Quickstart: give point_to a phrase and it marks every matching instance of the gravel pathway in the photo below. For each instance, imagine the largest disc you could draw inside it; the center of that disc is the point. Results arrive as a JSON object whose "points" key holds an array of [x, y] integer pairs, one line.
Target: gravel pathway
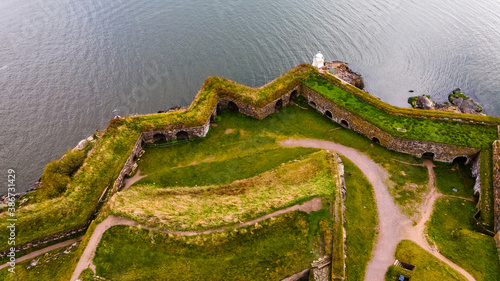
{"points": [[393, 225], [44, 250]]}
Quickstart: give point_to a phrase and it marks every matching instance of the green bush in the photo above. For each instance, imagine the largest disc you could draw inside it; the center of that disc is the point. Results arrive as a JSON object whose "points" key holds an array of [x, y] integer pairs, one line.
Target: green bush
{"points": [[57, 174]]}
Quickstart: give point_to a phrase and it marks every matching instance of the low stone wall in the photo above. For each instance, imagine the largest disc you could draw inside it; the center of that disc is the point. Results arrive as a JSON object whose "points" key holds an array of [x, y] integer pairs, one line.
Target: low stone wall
{"points": [[130, 164], [441, 152]]}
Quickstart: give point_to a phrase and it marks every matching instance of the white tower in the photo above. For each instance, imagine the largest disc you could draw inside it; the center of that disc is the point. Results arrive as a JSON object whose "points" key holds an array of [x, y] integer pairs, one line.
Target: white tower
{"points": [[319, 60]]}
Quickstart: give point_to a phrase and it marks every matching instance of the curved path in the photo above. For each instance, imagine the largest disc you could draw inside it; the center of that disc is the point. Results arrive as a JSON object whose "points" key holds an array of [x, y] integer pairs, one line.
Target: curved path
{"points": [[393, 225], [44, 250], [89, 253]]}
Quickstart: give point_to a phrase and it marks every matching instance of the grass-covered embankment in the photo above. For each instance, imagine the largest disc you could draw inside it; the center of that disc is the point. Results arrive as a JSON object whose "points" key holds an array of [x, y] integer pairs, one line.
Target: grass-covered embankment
{"points": [[50, 266], [451, 230], [271, 250], [427, 267], [470, 135], [208, 207], [361, 221]]}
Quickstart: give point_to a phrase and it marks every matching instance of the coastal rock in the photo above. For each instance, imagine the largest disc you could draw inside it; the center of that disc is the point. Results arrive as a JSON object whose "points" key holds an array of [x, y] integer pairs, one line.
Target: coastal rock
{"points": [[464, 103], [342, 71], [460, 103], [425, 102]]}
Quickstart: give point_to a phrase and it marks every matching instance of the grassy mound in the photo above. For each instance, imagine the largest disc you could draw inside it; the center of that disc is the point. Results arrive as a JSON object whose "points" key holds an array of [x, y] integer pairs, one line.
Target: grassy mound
{"points": [[207, 207], [270, 250], [427, 267]]}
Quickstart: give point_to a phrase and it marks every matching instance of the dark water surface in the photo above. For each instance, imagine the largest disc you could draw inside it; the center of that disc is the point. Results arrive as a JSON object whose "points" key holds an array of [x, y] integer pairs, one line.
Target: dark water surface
{"points": [[66, 65]]}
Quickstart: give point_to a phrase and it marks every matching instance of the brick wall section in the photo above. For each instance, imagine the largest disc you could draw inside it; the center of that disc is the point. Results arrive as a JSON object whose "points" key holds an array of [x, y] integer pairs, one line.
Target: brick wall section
{"points": [[442, 152]]}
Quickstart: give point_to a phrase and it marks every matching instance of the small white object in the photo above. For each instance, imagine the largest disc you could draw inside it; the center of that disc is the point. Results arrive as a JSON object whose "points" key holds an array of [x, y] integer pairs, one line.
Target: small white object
{"points": [[318, 60]]}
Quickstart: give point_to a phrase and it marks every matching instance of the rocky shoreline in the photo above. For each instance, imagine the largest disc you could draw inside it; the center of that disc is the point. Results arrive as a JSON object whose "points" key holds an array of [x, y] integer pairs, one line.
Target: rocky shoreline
{"points": [[458, 103], [343, 72]]}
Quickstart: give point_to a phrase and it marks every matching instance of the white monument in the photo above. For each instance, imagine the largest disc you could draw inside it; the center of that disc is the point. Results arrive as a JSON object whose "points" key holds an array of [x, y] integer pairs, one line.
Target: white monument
{"points": [[319, 60]]}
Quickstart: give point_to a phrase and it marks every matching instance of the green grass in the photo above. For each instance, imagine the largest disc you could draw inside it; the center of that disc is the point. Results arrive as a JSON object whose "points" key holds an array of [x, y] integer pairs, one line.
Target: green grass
{"points": [[272, 250], [470, 135], [208, 207], [52, 266], [487, 195], [219, 172], [361, 221], [427, 267], [252, 137], [451, 230], [459, 177]]}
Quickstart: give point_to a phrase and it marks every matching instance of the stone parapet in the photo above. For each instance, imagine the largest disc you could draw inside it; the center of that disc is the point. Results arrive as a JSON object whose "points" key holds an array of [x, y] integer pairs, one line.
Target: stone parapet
{"points": [[496, 183]]}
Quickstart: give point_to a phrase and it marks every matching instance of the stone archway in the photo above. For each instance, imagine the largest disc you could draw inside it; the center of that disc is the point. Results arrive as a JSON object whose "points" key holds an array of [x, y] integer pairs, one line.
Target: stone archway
{"points": [[293, 95], [344, 123], [278, 105], [233, 107], [182, 135], [376, 140], [328, 114], [159, 137], [460, 160], [312, 103], [428, 155]]}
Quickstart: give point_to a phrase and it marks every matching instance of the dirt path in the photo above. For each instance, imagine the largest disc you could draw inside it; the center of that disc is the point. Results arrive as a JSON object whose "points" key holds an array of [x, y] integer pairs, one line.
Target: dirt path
{"points": [[44, 250], [393, 225], [134, 179], [417, 233], [391, 220], [89, 253]]}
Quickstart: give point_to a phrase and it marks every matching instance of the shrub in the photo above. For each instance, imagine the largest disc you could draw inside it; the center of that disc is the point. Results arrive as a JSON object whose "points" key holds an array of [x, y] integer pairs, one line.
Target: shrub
{"points": [[56, 175]]}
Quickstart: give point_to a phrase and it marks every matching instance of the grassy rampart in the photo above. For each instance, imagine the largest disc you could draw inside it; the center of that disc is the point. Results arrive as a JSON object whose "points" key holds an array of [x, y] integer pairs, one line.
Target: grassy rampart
{"points": [[390, 119], [410, 112]]}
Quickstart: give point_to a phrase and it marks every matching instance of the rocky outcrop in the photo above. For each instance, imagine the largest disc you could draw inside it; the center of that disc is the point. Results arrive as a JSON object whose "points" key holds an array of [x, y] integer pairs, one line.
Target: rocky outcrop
{"points": [[343, 72], [459, 103], [464, 103]]}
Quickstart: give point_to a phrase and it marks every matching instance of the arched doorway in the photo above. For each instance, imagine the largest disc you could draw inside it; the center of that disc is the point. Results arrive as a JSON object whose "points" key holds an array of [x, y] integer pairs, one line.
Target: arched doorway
{"points": [[233, 107], [344, 123], [376, 140], [278, 105], [313, 104], [328, 114], [293, 95], [428, 155], [462, 160], [182, 135], [159, 137]]}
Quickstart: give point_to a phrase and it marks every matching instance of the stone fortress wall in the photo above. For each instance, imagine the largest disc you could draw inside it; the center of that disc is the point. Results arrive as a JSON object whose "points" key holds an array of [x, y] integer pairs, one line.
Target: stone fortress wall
{"points": [[438, 151]]}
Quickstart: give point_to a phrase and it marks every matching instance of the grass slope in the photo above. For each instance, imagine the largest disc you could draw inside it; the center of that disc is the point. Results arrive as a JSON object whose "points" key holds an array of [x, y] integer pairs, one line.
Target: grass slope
{"points": [[361, 221], [207, 207], [51, 266], [427, 267], [274, 249], [451, 230]]}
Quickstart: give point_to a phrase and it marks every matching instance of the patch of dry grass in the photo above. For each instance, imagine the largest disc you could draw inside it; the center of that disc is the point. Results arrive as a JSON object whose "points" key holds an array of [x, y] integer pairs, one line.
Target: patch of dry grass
{"points": [[206, 207]]}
